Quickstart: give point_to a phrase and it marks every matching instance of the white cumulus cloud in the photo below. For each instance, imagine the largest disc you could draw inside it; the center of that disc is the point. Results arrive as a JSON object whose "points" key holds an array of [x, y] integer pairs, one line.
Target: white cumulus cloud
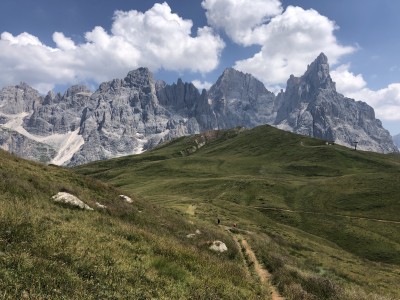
{"points": [[290, 42], [385, 101], [157, 38], [202, 84], [24, 39], [241, 19], [63, 42], [346, 81]]}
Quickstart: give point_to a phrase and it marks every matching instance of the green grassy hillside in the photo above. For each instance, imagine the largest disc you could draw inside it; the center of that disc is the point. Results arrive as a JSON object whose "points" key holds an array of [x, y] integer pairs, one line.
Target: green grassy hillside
{"points": [[126, 251], [323, 219]]}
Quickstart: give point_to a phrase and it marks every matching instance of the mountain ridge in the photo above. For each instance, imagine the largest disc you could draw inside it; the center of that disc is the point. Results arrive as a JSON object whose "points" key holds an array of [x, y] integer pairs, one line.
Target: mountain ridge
{"points": [[134, 114], [312, 106]]}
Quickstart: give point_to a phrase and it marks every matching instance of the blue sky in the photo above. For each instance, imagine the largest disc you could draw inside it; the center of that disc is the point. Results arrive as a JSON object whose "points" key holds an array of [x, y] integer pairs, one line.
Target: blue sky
{"points": [[51, 44]]}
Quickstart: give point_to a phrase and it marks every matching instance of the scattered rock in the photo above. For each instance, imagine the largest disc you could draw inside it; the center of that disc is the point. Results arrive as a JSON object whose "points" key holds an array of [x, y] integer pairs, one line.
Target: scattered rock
{"points": [[218, 246], [69, 199], [192, 235], [126, 198], [25, 295], [99, 205]]}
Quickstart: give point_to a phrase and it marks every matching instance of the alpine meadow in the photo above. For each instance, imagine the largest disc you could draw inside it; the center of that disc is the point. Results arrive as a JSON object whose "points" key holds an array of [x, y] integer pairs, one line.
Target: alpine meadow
{"points": [[200, 150], [322, 219]]}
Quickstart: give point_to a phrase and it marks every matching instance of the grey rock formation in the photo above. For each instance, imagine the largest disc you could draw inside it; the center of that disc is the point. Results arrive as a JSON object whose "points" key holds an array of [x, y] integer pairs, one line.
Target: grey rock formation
{"points": [[3, 120], [134, 114], [126, 117], [40, 128], [18, 99], [185, 100], [70, 200], [311, 106], [22, 146], [58, 114], [240, 99]]}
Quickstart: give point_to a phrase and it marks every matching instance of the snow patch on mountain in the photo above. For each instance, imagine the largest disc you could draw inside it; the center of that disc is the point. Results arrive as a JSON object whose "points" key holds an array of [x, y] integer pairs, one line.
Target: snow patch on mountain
{"points": [[135, 114], [73, 142], [66, 144]]}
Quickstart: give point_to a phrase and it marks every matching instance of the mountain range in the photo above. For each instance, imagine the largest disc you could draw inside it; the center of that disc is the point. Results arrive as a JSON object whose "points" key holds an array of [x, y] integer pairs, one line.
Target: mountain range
{"points": [[135, 114]]}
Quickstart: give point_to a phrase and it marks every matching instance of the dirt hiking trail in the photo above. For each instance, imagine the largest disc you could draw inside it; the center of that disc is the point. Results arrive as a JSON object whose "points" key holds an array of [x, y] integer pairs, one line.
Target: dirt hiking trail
{"points": [[251, 259]]}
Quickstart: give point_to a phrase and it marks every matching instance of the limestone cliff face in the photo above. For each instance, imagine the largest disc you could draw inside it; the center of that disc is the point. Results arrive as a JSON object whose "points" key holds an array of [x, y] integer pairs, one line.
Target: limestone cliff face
{"points": [[185, 100], [240, 99], [41, 128], [18, 99], [25, 147], [311, 106], [58, 113], [134, 114], [126, 117]]}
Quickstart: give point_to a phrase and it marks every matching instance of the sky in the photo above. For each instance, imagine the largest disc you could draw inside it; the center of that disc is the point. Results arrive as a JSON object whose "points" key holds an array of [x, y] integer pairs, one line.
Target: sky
{"points": [[51, 44]]}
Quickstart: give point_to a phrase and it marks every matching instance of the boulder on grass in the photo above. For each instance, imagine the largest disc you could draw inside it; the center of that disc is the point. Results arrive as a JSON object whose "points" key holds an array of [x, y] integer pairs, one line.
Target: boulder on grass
{"points": [[218, 246], [126, 198], [71, 200]]}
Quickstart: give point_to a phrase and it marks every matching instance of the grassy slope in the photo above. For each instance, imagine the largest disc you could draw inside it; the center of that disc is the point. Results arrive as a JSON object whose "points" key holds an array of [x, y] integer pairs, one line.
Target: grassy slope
{"points": [[237, 174], [127, 251]]}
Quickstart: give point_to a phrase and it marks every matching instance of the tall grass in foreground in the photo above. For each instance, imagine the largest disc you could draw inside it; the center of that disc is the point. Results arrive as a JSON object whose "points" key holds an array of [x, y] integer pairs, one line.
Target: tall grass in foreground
{"points": [[126, 251]]}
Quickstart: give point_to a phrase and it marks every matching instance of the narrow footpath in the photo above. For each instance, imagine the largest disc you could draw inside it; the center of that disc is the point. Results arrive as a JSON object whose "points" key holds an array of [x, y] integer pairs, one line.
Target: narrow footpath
{"points": [[262, 273]]}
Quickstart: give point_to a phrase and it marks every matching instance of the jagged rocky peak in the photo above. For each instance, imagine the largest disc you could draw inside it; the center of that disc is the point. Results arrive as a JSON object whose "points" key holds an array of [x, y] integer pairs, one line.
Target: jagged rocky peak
{"points": [[126, 119], [58, 113], [77, 90], [134, 114], [18, 99], [234, 84], [77, 97], [239, 99], [311, 106], [160, 84], [317, 73], [293, 81], [51, 97], [316, 77], [139, 77], [179, 95]]}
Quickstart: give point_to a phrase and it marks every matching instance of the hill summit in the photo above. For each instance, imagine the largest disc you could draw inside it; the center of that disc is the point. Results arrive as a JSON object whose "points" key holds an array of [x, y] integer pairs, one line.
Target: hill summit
{"points": [[134, 114]]}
